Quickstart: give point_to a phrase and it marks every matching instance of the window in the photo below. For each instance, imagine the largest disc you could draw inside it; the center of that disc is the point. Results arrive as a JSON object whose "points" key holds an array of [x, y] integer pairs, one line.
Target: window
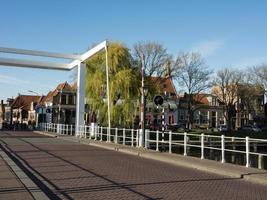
{"points": [[70, 99], [63, 100], [214, 101], [204, 117]]}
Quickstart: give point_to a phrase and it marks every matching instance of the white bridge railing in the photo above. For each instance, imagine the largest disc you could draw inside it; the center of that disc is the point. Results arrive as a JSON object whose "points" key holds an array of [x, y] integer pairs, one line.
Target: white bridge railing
{"points": [[167, 141]]}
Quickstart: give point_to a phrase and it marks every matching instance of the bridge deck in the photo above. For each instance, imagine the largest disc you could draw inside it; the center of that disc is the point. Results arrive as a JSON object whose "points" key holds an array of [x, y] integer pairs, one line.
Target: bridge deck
{"points": [[65, 169]]}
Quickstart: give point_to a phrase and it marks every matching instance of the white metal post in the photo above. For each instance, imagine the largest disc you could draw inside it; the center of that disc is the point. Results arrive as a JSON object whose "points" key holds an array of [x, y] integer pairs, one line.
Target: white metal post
{"points": [[170, 142], [223, 149], [108, 96], [132, 138], [123, 136], [185, 144], [101, 133], [137, 137], [247, 152], [96, 132], [71, 129], [85, 131], [80, 98], [90, 132], [157, 140], [145, 139], [202, 146], [116, 136]]}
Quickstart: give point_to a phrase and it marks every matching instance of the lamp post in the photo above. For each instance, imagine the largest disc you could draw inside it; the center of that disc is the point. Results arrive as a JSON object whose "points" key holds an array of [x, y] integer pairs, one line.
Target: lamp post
{"points": [[143, 91], [35, 110]]}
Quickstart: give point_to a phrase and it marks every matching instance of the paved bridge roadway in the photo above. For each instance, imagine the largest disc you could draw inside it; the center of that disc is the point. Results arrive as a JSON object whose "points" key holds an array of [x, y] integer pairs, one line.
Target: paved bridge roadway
{"points": [[69, 170]]}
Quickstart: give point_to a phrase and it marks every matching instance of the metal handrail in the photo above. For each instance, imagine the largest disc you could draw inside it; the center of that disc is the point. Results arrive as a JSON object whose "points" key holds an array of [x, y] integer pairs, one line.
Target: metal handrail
{"points": [[132, 137]]}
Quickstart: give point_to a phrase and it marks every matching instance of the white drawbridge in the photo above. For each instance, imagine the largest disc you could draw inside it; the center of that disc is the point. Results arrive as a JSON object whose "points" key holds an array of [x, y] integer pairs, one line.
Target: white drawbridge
{"points": [[77, 61]]}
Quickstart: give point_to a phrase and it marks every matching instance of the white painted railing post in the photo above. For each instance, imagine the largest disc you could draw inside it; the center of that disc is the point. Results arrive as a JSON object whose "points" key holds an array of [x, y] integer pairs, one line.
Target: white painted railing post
{"points": [[116, 136], [137, 138], [247, 152], [85, 131], [202, 146], [185, 144], [71, 129], [260, 162], [223, 149], [96, 132], [146, 138], [170, 142], [123, 142], [108, 133], [67, 131], [132, 137], [90, 132], [157, 140], [101, 133]]}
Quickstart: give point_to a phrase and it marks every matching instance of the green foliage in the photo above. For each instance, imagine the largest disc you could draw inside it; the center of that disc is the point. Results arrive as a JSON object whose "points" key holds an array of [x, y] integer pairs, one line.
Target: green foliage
{"points": [[124, 82]]}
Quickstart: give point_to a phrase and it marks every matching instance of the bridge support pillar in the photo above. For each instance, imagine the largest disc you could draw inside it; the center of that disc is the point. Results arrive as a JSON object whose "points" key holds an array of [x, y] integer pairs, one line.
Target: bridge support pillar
{"points": [[80, 99]]}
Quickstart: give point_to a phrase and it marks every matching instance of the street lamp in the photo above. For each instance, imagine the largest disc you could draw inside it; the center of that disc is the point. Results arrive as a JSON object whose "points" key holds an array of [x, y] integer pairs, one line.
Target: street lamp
{"points": [[42, 111], [144, 92]]}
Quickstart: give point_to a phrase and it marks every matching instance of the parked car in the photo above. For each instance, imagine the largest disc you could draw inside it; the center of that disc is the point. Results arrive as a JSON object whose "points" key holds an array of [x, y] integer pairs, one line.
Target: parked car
{"points": [[175, 127], [222, 128], [251, 128]]}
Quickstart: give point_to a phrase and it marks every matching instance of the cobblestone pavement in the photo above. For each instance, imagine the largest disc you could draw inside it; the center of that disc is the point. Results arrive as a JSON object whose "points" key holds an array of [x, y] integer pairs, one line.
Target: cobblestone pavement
{"points": [[68, 170], [10, 185]]}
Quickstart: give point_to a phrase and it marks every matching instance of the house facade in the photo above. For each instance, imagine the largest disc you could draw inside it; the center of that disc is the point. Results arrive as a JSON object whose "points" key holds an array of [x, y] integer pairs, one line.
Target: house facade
{"points": [[22, 111], [169, 109], [58, 106], [208, 111]]}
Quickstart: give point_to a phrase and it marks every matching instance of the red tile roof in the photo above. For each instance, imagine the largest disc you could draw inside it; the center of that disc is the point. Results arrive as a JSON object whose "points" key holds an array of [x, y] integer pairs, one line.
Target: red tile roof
{"points": [[200, 99], [165, 84], [51, 94], [24, 101]]}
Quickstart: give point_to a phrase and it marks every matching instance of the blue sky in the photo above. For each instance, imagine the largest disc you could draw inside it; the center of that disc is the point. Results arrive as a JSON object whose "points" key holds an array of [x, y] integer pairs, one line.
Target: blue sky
{"points": [[227, 33]]}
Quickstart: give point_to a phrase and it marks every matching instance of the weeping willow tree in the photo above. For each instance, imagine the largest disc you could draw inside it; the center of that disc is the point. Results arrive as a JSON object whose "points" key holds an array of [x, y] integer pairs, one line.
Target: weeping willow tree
{"points": [[124, 82]]}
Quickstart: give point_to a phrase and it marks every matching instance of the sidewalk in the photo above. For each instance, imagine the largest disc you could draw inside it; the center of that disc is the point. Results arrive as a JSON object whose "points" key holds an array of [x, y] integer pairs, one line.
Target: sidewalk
{"points": [[10, 185], [14, 183], [249, 174]]}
